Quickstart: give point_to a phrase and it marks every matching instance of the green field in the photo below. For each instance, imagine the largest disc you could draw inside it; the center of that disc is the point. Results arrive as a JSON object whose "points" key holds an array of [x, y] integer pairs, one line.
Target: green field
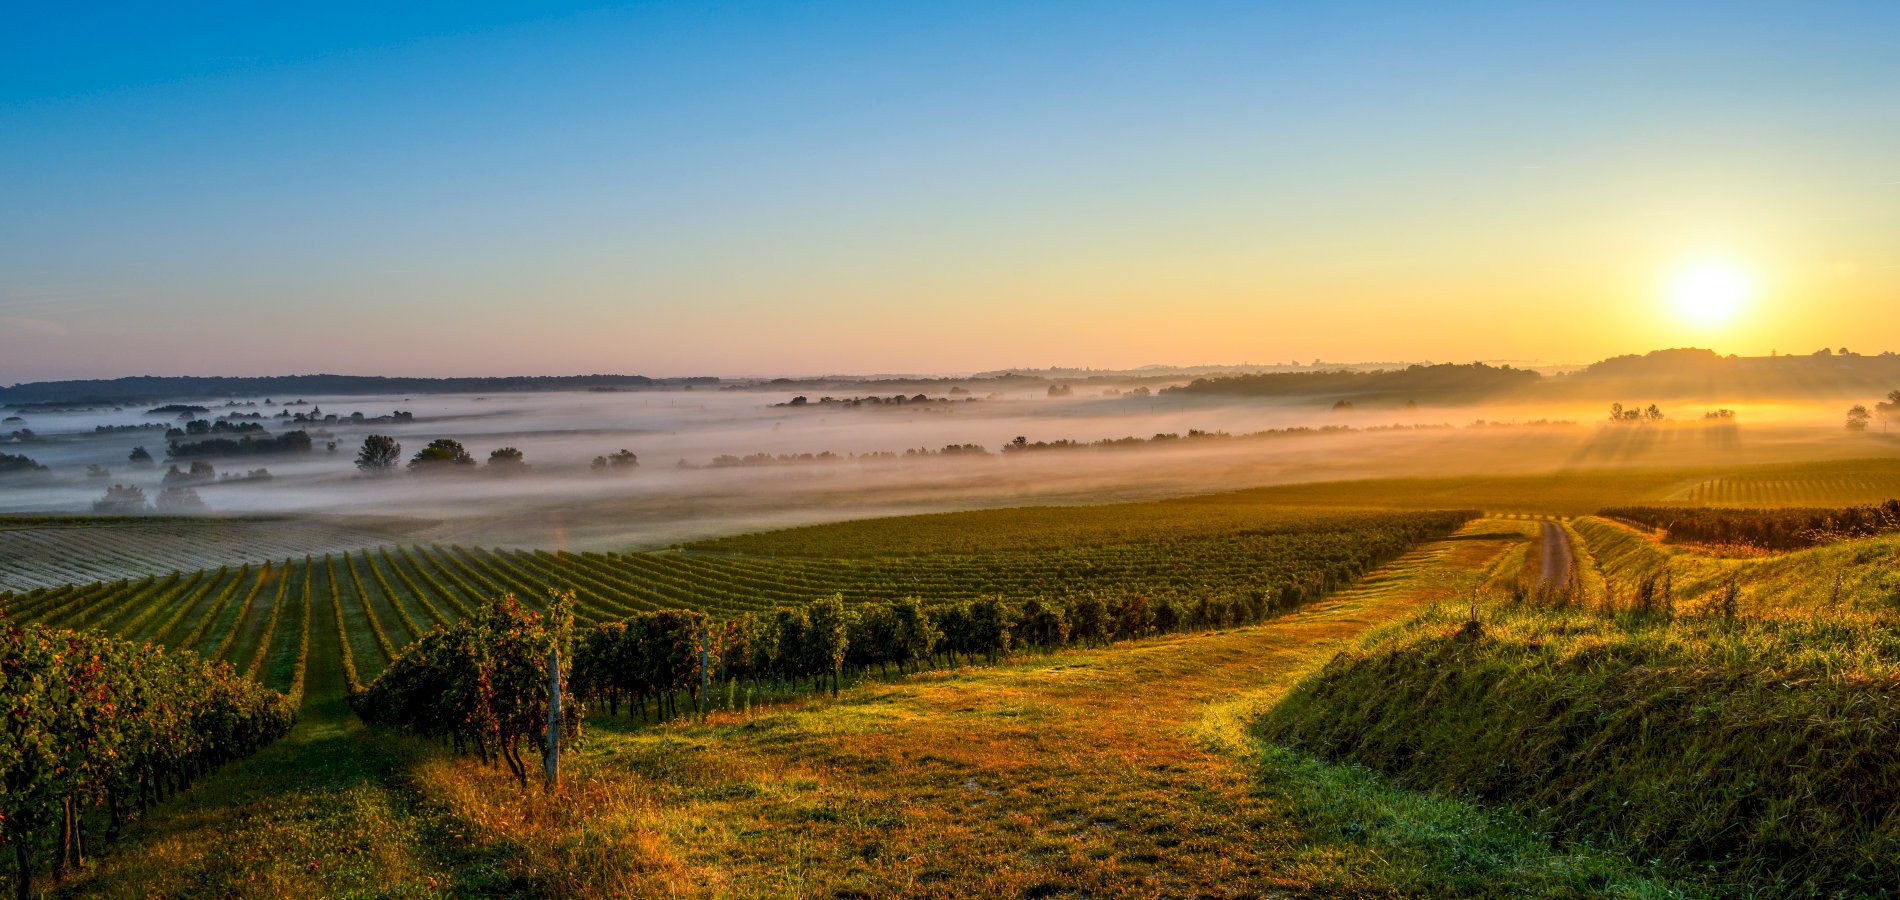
{"points": [[368, 604], [1730, 718], [48, 551], [1170, 764], [1104, 771], [1850, 483]]}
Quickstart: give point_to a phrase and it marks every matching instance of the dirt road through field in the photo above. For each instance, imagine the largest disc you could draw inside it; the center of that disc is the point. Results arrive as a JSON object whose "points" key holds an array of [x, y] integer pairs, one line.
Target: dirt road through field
{"points": [[1559, 559]]}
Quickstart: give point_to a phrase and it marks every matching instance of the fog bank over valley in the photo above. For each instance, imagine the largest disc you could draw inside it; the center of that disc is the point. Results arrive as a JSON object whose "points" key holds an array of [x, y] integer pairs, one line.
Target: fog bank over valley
{"points": [[713, 462]]}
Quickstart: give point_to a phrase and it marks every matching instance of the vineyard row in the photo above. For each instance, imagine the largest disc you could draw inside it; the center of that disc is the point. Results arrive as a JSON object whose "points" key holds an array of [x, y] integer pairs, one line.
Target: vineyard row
{"points": [[259, 617]]}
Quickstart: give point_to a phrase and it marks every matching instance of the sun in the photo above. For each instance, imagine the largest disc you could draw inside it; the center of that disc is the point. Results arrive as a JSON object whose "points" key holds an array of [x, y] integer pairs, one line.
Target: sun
{"points": [[1710, 293]]}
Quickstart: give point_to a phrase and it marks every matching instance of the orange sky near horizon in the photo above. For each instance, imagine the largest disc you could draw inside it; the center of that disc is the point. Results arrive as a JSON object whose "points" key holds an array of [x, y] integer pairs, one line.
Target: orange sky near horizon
{"points": [[862, 188]]}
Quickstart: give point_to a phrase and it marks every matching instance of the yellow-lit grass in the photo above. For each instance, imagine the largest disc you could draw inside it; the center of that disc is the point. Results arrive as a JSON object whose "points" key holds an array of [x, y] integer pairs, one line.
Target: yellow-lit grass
{"points": [[1759, 751], [1102, 773], [1848, 581], [589, 837], [319, 814], [1117, 772], [1744, 732], [326, 812]]}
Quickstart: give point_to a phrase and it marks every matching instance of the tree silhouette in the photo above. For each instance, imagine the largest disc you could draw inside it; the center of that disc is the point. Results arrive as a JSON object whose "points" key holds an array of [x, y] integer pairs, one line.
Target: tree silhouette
{"points": [[625, 459], [1857, 418], [507, 459], [1889, 410], [441, 454], [120, 500], [10, 462], [380, 453], [179, 499]]}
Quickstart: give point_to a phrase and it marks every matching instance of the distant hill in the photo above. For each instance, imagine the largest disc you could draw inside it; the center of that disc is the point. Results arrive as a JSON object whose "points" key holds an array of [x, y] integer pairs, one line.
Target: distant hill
{"points": [[1443, 383], [1678, 373], [1681, 373], [1694, 372], [148, 388]]}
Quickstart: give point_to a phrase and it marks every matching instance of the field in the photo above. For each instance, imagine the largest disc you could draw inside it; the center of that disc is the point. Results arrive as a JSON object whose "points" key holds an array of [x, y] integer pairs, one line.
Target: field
{"points": [[39, 552], [1175, 764], [1123, 771], [376, 601], [950, 451], [1727, 717], [1851, 483], [1583, 491]]}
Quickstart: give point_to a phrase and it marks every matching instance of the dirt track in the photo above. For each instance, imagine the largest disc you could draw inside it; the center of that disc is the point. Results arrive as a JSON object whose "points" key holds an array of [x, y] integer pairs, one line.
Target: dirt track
{"points": [[1559, 560]]}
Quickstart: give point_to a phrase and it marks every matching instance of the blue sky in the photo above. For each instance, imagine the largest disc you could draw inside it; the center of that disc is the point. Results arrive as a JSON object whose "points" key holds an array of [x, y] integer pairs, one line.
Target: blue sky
{"points": [[675, 189]]}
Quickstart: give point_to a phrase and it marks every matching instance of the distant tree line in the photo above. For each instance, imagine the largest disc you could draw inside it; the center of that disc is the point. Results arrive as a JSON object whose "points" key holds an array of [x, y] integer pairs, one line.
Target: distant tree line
{"points": [[11, 463], [623, 460], [130, 500], [855, 402], [248, 445], [381, 454], [1621, 415], [1022, 444], [729, 460], [107, 392], [1442, 382], [198, 427], [317, 416]]}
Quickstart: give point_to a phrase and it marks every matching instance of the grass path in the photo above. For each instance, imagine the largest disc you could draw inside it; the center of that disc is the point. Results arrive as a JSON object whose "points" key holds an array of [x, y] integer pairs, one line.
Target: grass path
{"points": [[326, 812], [1120, 772]]}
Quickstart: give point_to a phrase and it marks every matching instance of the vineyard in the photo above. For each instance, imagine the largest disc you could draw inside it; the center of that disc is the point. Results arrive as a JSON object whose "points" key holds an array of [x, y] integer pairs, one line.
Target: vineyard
{"points": [[372, 602], [420, 638], [96, 728], [432, 639], [1829, 484], [1789, 528], [42, 552]]}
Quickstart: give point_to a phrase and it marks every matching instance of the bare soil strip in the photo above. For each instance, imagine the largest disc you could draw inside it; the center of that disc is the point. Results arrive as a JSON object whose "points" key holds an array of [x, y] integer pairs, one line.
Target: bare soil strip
{"points": [[1559, 559]]}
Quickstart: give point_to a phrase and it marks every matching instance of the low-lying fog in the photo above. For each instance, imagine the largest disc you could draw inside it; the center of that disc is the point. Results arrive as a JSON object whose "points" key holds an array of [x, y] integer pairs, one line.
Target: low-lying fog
{"points": [[677, 492]]}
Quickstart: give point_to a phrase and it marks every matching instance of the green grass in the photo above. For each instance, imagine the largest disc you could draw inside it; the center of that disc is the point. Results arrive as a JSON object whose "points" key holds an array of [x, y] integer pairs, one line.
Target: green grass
{"points": [[326, 812], [1284, 758], [1110, 772], [1748, 753], [1117, 772], [1840, 582]]}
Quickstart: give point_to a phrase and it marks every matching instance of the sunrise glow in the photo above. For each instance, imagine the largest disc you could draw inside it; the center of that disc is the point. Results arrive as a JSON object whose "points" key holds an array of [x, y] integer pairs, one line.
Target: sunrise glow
{"points": [[1710, 293]]}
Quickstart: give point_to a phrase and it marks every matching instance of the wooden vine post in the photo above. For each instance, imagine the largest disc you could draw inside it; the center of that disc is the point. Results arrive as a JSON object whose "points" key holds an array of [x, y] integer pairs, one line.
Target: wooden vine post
{"points": [[554, 716], [705, 671]]}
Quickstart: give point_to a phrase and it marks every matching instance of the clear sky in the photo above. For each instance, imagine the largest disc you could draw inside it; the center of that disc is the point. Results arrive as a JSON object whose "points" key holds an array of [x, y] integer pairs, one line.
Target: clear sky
{"points": [[498, 188]]}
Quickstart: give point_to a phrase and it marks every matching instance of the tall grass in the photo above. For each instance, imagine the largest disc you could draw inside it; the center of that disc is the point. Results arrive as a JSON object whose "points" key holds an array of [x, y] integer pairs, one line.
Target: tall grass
{"points": [[1748, 744]]}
